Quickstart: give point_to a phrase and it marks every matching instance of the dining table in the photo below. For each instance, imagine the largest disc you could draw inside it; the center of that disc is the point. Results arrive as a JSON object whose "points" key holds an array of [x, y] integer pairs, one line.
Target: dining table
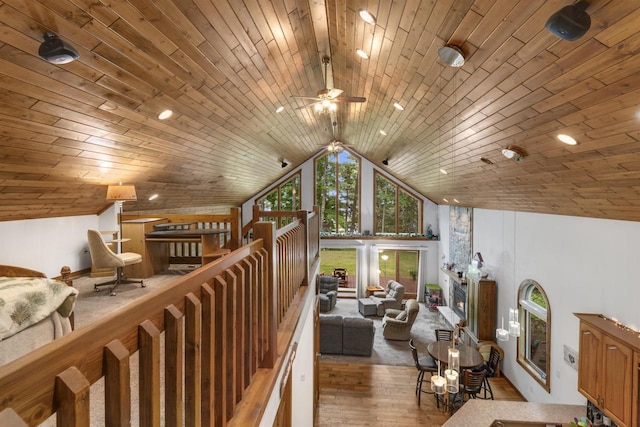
{"points": [[469, 356]]}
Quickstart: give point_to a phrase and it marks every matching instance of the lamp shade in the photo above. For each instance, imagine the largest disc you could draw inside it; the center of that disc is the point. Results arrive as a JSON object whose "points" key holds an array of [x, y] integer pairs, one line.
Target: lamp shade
{"points": [[121, 193]]}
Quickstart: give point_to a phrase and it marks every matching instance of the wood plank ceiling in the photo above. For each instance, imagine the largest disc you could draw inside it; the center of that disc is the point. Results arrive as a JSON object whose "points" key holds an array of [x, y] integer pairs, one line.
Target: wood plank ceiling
{"points": [[224, 67]]}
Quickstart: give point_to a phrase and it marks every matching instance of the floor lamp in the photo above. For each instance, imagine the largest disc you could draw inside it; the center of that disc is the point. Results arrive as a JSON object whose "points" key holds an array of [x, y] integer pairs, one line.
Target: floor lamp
{"points": [[121, 193]]}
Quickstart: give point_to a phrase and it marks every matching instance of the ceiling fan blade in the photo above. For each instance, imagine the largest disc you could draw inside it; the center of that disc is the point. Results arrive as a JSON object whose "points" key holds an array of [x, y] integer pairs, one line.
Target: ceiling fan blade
{"points": [[333, 93], [349, 99], [305, 106], [307, 97]]}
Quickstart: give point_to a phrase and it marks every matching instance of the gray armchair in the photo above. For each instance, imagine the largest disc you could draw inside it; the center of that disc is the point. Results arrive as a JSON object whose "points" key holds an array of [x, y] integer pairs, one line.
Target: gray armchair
{"points": [[327, 292], [391, 298], [396, 324]]}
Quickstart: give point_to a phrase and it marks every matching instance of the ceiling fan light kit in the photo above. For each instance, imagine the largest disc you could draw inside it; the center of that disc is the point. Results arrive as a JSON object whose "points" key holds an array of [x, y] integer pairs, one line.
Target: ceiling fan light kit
{"points": [[570, 22]]}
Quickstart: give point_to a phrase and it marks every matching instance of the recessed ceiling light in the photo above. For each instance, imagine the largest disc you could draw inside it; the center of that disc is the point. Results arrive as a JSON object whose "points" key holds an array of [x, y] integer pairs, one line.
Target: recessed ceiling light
{"points": [[445, 200], [165, 114], [567, 139], [442, 171], [367, 17], [456, 200], [398, 106], [105, 165], [383, 133], [362, 54], [280, 109], [153, 197]]}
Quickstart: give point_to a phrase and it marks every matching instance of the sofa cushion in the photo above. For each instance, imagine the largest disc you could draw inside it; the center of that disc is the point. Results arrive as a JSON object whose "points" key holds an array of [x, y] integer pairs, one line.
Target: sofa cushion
{"points": [[357, 336], [331, 334]]}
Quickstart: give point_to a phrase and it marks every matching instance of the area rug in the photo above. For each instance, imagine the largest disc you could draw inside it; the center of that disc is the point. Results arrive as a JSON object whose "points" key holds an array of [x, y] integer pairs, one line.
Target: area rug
{"points": [[388, 352]]}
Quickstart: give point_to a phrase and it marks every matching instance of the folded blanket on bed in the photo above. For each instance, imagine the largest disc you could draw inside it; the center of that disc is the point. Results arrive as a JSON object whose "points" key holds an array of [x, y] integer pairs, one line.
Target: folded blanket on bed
{"points": [[25, 301]]}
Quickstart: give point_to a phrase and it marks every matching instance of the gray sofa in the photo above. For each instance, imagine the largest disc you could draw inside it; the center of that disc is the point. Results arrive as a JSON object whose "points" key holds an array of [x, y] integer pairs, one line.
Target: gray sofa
{"points": [[327, 292], [390, 298], [349, 335]]}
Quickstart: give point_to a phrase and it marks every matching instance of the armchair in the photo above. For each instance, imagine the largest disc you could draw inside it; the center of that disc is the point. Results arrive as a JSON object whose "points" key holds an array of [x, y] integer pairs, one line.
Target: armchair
{"points": [[392, 298], [341, 274], [396, 324], [327, 292]]}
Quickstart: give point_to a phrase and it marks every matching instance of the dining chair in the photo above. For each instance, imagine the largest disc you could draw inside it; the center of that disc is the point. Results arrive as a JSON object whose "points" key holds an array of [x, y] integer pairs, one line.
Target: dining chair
{"points": [[491, 367], [103, 257], [472, 383], [423, 364], [444, 334]]}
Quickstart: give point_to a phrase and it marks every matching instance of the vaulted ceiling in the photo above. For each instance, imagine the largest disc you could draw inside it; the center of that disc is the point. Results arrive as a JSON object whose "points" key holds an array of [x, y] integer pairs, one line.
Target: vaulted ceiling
{"points": [[224, 67]]}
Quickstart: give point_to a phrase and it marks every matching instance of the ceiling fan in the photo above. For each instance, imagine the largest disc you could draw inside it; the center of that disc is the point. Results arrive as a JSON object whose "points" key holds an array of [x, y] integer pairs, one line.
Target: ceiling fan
{"points": [[336, 146], [326, 98]]}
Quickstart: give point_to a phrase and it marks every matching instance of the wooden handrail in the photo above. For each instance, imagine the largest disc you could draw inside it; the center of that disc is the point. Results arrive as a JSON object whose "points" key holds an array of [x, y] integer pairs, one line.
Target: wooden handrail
{"points": [[228, 324]]}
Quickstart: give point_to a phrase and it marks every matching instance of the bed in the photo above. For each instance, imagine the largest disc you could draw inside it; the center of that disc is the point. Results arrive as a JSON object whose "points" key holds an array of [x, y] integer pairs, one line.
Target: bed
{"points": [[34, 310]]}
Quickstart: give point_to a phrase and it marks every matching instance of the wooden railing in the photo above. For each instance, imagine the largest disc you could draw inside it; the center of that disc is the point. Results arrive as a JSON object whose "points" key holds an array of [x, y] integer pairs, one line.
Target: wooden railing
{"points": [[225, 328], [189, 252]]}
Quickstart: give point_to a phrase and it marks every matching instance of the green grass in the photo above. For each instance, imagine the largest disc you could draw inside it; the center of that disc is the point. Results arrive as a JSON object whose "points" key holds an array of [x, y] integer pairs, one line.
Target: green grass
{"points": [[337, 258]]}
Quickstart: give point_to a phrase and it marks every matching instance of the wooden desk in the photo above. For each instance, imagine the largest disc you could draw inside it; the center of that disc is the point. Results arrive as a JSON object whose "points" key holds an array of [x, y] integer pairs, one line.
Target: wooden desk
{"points": [[153, 260], [207, 237]]}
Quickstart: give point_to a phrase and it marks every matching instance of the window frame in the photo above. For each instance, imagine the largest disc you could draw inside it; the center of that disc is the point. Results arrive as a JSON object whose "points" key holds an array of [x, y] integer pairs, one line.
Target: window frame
{"points": [[525, 308], [358, 160], [295, 181], [399, 188]]}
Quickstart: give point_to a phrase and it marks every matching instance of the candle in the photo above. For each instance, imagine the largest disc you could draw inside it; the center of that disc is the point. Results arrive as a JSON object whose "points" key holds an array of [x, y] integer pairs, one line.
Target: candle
{"points": [[454, 359]]}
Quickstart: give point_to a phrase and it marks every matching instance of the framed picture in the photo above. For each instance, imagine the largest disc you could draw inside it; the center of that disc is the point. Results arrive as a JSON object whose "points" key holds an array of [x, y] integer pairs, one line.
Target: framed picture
{"points": [[570, 356]]}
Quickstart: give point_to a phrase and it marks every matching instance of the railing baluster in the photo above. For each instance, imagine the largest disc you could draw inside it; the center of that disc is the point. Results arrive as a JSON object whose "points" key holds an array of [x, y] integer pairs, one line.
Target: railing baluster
{"points": [[72, 397], [117, 388], [149, 374], [193, 361], [173, 366]]}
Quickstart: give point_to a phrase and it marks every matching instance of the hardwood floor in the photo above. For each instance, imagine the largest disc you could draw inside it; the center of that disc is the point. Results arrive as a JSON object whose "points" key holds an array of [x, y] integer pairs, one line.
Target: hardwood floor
{"points": [[365, 395]]}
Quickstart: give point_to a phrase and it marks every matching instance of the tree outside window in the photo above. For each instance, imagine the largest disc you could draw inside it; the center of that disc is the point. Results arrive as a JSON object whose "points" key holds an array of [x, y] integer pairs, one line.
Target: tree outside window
{"points": [[534, 343], [396, 210], [337, 195], [285, 197]]}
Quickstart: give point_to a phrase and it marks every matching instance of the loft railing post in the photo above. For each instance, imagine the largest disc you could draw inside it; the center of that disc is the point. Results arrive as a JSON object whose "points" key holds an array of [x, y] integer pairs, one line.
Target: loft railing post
{"points": [[267, 232], [236, 232], [303, 217]]}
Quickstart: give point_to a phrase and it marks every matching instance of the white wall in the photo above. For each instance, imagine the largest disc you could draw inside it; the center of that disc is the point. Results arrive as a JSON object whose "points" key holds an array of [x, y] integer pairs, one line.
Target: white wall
{"points": [[583, 264], [48, 244]]}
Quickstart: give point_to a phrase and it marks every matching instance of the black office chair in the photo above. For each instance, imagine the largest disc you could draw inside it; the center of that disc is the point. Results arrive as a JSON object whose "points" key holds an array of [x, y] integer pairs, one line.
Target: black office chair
{"points": [[423, 364], [444, 334]]}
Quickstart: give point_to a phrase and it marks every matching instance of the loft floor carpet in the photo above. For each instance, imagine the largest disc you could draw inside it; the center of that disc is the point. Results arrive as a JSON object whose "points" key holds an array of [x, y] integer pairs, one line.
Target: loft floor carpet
{"points": [[388, 352]]}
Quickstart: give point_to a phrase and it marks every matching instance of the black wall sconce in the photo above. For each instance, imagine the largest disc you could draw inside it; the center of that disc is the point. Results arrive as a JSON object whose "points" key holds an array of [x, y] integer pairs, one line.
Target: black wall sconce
{"points": [[385, 162]]}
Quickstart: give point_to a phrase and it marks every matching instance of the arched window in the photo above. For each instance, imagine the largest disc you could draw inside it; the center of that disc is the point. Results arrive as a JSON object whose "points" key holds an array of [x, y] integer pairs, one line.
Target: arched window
{"points": [[534, 343]]}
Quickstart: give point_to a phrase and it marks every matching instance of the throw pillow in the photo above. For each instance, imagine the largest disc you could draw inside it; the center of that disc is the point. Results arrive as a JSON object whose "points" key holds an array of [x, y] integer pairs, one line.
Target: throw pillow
{"points": [[401, 316]]}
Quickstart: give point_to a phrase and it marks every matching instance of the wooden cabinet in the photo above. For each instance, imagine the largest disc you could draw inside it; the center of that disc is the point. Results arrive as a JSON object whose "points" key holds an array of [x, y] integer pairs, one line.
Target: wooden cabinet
{"points": [[479, 306], [636, 389], [481, 309], [608, 368]]}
